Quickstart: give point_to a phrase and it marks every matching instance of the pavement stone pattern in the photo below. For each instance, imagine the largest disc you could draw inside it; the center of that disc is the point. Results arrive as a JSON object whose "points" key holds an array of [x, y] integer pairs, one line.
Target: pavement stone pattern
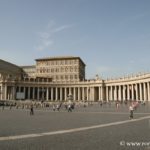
{"points": [[126, 136]]}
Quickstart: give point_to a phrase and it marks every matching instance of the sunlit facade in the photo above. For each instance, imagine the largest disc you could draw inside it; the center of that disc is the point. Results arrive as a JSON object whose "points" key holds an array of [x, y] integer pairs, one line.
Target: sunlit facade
{"points": [[54, 78]]}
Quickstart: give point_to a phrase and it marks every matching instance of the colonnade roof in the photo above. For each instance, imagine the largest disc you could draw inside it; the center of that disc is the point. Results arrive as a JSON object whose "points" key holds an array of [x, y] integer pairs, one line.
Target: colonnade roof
{"points": [[31, 66], [129, 78], [7, 67]]}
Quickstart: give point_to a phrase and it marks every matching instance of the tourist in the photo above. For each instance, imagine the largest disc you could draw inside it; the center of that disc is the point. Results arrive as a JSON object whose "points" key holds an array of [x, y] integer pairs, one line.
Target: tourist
{"points": [[69, 108], [131, 109], [31, 110], [117, 105], [57, 107], [54, 107]]}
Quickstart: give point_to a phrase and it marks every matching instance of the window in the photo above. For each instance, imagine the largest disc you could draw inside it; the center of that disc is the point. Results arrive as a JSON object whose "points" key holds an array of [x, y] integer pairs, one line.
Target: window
{"points": [[66, 77], [71, 76], [75, 76]]}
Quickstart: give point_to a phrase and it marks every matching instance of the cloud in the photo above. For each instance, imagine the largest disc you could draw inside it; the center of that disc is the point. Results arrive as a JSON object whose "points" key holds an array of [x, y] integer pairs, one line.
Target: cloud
{"points": [[61, 28], [46, 37], [44, 41], [44, 44]]}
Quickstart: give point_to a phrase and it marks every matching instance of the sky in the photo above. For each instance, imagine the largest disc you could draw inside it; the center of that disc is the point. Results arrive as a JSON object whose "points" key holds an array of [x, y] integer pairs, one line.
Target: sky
{"points": [[112, 37]]}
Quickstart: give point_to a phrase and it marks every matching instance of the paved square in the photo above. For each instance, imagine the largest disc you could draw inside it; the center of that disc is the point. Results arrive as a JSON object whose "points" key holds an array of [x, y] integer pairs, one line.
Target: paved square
{"points": [[91, 128]]}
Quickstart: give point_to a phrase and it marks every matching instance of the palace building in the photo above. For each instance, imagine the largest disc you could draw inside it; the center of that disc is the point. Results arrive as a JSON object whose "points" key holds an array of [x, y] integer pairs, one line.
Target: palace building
{"points": [[55, 78]]}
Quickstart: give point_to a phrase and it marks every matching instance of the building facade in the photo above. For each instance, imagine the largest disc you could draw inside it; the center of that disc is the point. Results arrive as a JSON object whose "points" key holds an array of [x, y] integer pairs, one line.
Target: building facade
{"points": [[61, 68], [54, 78]]}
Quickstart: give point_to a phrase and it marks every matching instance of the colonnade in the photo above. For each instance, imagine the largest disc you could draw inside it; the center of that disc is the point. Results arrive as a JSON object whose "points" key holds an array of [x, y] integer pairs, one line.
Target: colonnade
{"points": [[54, 93], [135, 91], [84, 92]]}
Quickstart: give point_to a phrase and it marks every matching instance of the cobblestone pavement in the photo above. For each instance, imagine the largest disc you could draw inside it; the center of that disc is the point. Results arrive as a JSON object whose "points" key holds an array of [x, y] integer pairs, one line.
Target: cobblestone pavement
{"points": [[90, 128]]}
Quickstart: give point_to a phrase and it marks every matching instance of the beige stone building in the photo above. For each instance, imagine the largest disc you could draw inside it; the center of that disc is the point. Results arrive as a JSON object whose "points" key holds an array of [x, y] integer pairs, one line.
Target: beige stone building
{"points": [[61, 68], [54, 78]]}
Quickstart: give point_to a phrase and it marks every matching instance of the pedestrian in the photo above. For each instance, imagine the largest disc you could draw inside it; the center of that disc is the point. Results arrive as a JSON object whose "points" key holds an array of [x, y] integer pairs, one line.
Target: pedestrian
{"points": [[31, 110], [57, 107], [131, 109], [54, 107], [69, 108], [117, 105]]}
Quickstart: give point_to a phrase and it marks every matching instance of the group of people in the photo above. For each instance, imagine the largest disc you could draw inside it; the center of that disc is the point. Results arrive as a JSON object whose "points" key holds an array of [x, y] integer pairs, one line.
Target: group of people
{"points": [[70, 106], [132, 105]]}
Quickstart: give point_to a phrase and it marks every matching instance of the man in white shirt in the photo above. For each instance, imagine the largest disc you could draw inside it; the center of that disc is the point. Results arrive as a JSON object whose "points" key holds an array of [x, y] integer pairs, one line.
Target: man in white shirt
{"points": [[131, 109]]}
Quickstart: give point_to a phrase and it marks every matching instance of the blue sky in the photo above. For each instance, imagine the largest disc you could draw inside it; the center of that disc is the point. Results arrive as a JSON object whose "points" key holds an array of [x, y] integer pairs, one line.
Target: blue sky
{"points": [[111, 36]]}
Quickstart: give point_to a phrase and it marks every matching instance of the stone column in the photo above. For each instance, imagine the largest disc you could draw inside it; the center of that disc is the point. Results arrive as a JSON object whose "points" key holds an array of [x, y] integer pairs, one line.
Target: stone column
{"points": [[132, 91], [47, 93], [83, 98], [111, 92], [145, 92], [99, 93], [65, 93], [78, 93], [115, 92], [128, 91], [8, 92], [107, 93], [141, 98], [5, 91], [119, 93], [102, 93], [148, 90], [124, 93], [60, 93], [136, 89], [87, 93], [14, 92], [28, 92], [93, 94]]}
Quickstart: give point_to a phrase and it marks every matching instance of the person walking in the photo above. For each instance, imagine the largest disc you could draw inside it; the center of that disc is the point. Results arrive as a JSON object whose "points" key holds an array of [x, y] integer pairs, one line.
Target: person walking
{"points": [[69, 108], [54, 107], [131, 109], [31, 110]]}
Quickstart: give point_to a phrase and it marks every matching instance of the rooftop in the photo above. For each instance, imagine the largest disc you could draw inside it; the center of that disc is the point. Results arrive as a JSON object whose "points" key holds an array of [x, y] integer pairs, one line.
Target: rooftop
{"points": [[59, 58]]}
